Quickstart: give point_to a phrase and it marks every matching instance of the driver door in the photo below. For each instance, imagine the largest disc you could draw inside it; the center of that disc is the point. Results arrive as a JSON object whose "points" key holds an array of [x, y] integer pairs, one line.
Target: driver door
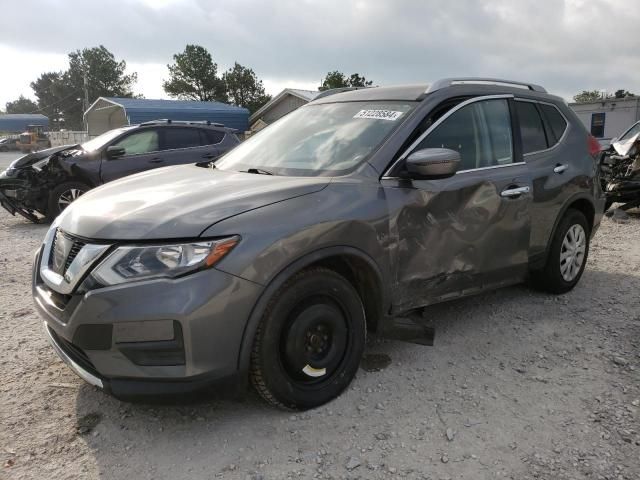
{"points": [[469, 232], [142, 152]]}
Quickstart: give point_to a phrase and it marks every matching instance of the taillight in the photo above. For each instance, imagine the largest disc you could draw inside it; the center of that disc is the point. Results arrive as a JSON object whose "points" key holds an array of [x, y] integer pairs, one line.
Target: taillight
{"points": [[593, 145]]}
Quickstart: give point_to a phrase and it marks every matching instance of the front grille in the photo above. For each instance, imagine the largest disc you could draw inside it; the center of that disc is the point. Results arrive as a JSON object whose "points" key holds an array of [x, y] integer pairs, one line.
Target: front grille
{"points": [[76, 246]]}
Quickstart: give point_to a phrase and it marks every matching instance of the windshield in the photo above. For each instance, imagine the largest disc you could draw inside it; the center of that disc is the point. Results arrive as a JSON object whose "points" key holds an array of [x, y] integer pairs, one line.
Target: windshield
{"points": [[318, 140], [631, 132], [98, 142]]}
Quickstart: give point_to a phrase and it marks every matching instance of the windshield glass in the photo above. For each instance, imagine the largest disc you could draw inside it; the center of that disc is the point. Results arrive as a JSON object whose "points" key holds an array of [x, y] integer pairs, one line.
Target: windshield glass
{"points": [[101, 140], [317, 140], [631, 132]]}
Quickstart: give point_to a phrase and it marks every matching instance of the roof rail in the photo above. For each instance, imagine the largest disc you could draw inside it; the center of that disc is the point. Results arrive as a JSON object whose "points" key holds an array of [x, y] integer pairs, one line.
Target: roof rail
{"points": [[447, 82], [333, 91], [182, 122]]}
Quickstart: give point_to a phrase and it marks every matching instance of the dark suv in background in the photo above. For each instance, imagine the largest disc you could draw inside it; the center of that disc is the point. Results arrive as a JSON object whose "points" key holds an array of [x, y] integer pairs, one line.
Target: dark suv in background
{"points": [[46, 182], [346, 215]]}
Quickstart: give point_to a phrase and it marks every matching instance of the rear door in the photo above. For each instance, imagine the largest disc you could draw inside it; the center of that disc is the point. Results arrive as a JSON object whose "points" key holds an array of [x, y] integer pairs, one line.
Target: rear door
{"points": [[543, 128], [142, 152], [470, 231]]}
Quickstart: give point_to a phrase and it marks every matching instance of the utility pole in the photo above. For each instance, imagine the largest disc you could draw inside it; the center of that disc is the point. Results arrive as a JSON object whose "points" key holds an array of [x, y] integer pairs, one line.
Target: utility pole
{"points": [[85, 102]]}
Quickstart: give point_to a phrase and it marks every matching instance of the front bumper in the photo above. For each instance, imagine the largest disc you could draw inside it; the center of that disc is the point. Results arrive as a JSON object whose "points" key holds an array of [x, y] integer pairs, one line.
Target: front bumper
{"points": [[11, 203], [119, 338]]}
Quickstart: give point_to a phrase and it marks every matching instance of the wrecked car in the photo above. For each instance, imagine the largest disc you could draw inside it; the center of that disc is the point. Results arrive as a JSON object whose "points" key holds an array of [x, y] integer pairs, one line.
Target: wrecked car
{"points": [[349, 215], [42, 184], [620, 170]]}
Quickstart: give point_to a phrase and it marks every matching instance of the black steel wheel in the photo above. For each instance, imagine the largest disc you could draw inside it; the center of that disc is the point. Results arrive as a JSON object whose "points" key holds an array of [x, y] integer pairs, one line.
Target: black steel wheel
{"points": [[310, 341]]}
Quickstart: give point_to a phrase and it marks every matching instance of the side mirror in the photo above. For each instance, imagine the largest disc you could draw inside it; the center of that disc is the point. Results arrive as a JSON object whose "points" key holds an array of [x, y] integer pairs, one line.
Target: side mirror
{"points": [[115, 152], [432, 163]]}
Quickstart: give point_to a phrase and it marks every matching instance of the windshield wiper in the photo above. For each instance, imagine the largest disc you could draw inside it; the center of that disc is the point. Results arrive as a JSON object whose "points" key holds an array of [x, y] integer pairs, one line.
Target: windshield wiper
{"points": [[258, 171]]}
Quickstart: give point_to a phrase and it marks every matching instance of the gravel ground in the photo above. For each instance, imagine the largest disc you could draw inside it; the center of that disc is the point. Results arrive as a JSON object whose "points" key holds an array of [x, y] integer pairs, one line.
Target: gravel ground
{"points": [[520, 385]]}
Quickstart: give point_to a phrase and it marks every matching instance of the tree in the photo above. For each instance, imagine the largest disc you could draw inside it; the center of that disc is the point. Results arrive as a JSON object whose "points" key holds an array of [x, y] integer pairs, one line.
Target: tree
{"points": [[244, 89], [21, 105], [622, 93], [587, 96], [51, 92], [194, 76], [61, 94], [106, 77], [338, 79]]}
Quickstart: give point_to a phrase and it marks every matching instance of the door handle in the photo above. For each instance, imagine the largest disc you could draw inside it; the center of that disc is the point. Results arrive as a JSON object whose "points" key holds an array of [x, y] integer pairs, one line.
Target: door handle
{"points": [[156, 160], [559, 168], [514, 192]]}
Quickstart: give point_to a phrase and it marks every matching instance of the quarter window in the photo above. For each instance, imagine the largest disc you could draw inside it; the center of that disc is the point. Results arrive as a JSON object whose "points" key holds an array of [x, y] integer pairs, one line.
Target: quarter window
{"points": [[554, 123], [140, 142], [480, 132], [211, 137], [531, 128]]}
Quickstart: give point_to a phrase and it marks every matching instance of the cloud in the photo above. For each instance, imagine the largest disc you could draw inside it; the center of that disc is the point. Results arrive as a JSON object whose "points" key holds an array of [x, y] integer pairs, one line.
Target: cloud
{"points": [[565, 45]]}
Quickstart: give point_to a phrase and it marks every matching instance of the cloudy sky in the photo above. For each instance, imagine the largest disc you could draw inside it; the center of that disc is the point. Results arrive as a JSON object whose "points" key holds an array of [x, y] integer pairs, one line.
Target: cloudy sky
{"points": [[565, 45]]}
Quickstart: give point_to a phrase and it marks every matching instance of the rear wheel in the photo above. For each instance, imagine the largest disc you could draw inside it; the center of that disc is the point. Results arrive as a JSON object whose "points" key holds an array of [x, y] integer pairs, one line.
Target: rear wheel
{"points": [[310, 341], [567, 255], [62, 196]]}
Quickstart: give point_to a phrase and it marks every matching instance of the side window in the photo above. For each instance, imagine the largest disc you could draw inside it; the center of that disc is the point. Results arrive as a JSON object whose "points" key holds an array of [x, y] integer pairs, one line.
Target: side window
{"points": [[480, 131], [597, 124], [177, 137], [211, 137], [531, 129], [140, 142], [554, 123]]}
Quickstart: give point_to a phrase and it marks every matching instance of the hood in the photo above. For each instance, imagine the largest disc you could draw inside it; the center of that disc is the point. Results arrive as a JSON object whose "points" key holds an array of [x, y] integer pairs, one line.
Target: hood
{"points": [[34, 157], [176, 202]]}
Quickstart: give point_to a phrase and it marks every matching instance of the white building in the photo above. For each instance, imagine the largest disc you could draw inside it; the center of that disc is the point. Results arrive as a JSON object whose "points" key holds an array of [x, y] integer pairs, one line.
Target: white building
{"points": [[286, 101], [608, 118]]}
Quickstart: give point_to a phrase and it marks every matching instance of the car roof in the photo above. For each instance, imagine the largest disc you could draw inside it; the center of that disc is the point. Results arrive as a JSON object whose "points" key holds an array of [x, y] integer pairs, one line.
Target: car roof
{"points": [[396, 92], [417, 92], [219, 127]]}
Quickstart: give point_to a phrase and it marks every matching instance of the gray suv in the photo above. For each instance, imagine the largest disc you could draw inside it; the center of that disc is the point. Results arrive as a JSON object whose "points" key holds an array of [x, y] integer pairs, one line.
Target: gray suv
{"points": [[354, 211]]}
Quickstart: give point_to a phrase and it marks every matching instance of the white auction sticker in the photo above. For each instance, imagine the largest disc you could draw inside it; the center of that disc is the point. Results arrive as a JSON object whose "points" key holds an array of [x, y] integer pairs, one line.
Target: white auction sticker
{"points": [[379, 114]]}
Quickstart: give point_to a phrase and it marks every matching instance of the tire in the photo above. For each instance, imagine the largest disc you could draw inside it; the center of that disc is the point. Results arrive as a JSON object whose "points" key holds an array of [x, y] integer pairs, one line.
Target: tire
{"points": [[56, 203], [559, 275], [310, 340]]}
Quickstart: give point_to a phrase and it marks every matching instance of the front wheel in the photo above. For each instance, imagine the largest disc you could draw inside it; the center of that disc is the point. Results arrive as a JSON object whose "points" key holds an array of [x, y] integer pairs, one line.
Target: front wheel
{"points": [[62, 196], [567, 255], [310, 341]]}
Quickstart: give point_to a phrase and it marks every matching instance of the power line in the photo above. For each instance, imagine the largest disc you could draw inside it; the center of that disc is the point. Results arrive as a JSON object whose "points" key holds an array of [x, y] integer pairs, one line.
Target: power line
{"points": [[75, 92]]}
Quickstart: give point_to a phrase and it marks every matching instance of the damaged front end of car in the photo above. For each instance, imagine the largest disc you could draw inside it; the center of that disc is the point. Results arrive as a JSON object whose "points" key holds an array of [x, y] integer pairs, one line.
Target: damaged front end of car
{"points": [[620, 173], [25, 185]]}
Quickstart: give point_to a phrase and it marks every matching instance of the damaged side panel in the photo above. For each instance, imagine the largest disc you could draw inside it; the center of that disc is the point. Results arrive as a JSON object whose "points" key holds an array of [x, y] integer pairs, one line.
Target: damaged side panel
{"points": [[457, 236]]}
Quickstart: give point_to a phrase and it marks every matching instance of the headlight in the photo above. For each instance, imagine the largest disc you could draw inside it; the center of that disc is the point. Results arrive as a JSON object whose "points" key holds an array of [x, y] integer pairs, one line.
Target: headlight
{"points": [[138, 262]]}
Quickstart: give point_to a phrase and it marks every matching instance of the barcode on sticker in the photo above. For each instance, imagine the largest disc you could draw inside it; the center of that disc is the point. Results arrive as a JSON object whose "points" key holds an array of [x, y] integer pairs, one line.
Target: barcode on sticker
{"points": [[379, 114]]}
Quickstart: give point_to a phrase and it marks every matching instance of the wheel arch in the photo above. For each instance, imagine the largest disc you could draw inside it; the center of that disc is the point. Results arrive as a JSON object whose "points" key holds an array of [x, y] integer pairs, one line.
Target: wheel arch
{"points": [[357, 267], [581, 202]]}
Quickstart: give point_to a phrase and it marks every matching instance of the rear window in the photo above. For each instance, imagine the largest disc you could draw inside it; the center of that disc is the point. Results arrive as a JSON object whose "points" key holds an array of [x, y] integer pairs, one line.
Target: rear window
{"points": [[554, 123], [531, 128]]}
